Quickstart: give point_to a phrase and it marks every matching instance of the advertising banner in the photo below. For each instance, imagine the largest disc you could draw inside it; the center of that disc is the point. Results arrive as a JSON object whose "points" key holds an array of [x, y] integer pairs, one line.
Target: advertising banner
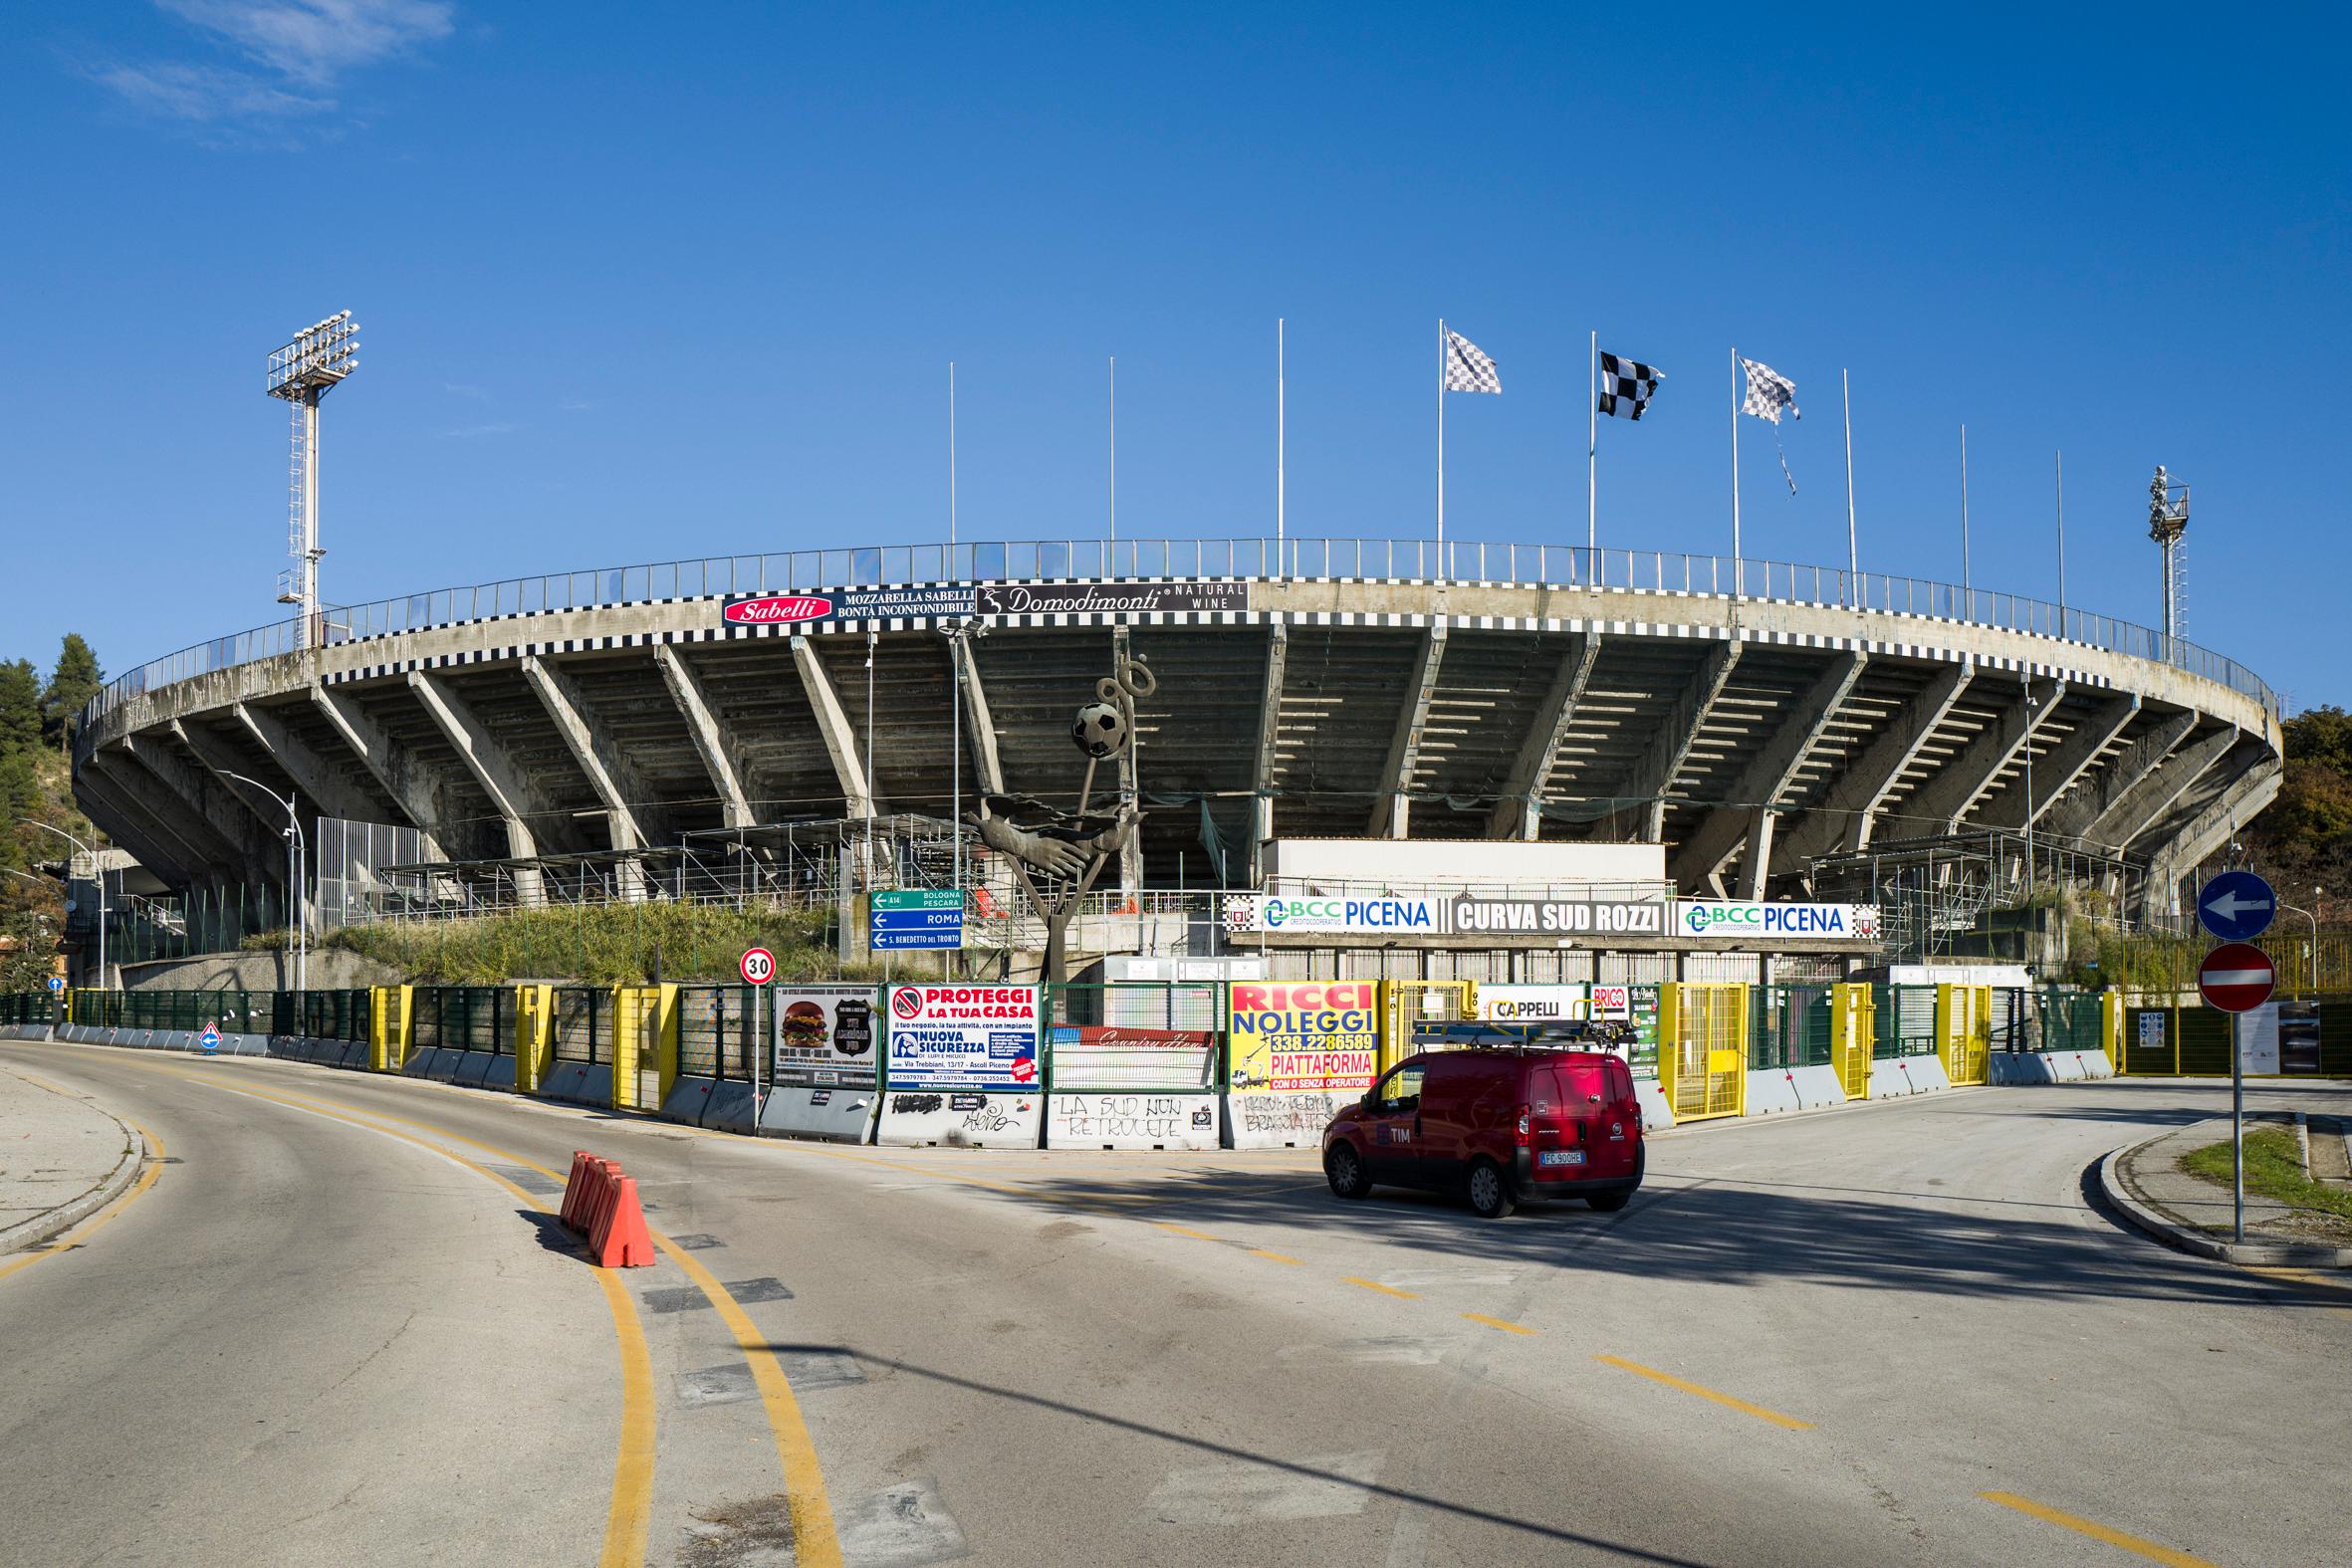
{"points": [[1313, 1035], [963, 1037], [1531, 1004], [1741, 918], [825, 1035], [1132, 599], [1545, 917], [1275, 912], [787, 609]]}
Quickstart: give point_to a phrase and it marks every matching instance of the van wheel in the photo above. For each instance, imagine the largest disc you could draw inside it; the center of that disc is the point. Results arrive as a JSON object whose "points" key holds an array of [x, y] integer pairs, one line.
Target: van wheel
{"points": [[1343, 1168], [1490, 1197]]}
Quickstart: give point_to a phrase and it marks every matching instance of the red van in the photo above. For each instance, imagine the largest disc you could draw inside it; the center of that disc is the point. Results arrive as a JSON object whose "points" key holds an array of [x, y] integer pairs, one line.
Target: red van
{"points": [[1499, 1125]]}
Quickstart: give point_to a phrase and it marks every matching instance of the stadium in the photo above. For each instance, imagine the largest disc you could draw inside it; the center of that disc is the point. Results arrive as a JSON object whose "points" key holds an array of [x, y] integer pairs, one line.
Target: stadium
{"points": [[1785, 732]]}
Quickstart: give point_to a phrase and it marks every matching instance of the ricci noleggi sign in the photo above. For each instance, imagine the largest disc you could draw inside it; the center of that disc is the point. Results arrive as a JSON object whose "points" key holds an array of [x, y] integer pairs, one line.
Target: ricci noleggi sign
{"points": [[959, 601]]}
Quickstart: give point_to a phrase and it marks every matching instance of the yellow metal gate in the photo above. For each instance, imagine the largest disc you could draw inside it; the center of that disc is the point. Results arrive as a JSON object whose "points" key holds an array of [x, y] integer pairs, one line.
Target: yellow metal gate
{"points": [[1853, 1029], [1703, 1049], [1963, 1031], [1405, 1003]]}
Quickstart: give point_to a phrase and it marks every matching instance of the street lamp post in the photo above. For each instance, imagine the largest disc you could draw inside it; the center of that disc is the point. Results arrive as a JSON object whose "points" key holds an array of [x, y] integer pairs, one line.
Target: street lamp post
{"points": [[2313, 952], [99, 874], [297, 935]]}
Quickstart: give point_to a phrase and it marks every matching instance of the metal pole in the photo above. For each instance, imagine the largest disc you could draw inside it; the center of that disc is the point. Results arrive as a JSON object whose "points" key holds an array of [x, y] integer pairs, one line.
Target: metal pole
{"points": [[871, 639], [1281, 438], [1592, 445], [1739, 564], [1853, 556], [98, 872], [1114, 454], [1966, 587], [2238, 1126], [2061, 459], [951, 468], [1440, 443]]}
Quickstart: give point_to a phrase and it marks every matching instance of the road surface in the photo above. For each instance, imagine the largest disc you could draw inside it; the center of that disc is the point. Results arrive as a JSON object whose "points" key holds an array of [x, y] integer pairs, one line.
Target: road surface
{"points": [[339, 1328]]}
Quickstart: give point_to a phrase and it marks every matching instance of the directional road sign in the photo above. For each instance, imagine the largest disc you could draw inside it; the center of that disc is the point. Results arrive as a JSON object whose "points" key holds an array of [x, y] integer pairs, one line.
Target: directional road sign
{"points": [[758, 966], [2236, 906], [210, 1038], [2236, 977], [918, 918], [57, 983]]}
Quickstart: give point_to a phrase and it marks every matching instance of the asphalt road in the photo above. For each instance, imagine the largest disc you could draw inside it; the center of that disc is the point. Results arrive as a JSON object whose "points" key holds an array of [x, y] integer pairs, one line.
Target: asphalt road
{"points": [[1810, 1340]]}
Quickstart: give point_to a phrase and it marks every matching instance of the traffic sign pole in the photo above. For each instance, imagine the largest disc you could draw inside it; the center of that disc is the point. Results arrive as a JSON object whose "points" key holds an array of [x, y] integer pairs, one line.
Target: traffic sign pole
{"points": [[2238, 1126]]}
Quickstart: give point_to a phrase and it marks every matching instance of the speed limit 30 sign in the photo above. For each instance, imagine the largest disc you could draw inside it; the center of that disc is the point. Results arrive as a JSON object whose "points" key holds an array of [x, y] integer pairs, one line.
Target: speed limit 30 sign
{"points": [[759, 967]]}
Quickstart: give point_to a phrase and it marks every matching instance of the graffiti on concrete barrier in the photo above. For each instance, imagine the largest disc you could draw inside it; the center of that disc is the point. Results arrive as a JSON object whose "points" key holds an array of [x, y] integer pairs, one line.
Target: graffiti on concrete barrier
{"points": [[916, 1104], [1290, 1114], [1143, 1118], [986, 1118]]}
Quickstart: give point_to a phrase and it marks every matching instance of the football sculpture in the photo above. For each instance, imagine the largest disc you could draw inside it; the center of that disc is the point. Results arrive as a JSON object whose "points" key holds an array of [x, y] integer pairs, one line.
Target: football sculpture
{"points": [[1100, 730]]}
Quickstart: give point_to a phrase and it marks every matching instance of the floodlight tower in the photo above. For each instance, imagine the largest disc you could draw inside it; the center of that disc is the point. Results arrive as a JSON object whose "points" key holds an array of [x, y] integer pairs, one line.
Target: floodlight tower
{"points": [[2168, 521], [302, 372]]}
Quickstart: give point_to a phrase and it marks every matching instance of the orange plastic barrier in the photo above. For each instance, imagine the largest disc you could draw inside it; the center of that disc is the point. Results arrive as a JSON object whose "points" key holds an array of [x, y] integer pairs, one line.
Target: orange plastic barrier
{"points": [[602, 1204]]}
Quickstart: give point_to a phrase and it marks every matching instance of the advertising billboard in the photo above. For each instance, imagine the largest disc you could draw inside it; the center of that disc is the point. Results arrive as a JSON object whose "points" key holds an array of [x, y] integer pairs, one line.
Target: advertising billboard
{"points": [[963, 1037], [1747, 918], [1315, 1035], [826, 1035]]}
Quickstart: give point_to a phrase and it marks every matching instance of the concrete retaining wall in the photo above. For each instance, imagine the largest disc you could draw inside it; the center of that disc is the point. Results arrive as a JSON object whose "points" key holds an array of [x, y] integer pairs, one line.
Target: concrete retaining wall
{"points": [[1133, 1121], [912, 1118]]}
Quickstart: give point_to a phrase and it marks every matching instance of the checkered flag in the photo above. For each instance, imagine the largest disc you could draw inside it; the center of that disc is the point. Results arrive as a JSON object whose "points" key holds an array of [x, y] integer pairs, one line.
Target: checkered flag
{"points": [[1468, 370], [1768, 391], [1628, 387]]}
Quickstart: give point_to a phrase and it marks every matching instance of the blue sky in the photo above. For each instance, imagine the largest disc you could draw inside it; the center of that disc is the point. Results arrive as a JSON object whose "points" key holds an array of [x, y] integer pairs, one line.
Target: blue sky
{"points": [[640, 283]]}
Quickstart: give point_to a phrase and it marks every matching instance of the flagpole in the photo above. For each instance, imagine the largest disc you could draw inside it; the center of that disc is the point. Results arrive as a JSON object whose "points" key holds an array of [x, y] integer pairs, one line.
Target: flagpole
{"points": [[1739, 564], [951, 468], [1114, 453], [1592, 447], [1966, 587], [2061, 483], [1853, 556], [1440, 443], [1279, 440]]}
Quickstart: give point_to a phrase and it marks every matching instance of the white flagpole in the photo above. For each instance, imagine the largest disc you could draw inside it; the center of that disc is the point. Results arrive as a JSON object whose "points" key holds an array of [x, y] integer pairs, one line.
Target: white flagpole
{"points": [[1966, 587], [2060, 458], [1114, 450], [1441, 441], [1853, 556], [1592, 447], [951, 467], [1739, 564], [1279, 440]]}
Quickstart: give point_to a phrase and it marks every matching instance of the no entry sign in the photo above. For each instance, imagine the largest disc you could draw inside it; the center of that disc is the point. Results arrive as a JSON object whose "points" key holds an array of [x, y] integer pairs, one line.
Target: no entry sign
{"points": [[2236, 978]]}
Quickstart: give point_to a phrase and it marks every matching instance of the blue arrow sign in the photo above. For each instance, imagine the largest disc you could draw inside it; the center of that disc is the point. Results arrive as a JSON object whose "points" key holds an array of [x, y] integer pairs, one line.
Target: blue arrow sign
{"points": [[210, 1038], [2236, 906]]}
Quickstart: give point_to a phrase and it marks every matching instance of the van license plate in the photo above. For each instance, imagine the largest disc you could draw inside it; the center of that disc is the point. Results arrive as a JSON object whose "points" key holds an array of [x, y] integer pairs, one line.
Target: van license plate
{"points": [[1560, 1157]]}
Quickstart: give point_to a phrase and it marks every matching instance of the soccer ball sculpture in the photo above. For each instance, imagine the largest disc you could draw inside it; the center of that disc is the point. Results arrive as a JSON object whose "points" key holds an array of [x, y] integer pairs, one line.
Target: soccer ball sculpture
{"points": [[1100, 731]]}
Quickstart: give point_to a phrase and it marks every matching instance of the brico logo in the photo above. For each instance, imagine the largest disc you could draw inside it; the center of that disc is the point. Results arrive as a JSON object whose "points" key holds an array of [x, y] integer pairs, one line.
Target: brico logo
{"points": [[779, 609]]}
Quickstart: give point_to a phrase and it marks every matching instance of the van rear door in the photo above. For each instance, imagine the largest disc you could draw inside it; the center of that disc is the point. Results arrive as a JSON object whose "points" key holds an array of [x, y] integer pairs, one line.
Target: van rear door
{"points": [[1556, 1154]]}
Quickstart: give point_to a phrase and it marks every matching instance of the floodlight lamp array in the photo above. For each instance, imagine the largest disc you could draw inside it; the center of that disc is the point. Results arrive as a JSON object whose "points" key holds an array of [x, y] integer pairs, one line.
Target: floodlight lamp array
{"points": [[319, 356]]}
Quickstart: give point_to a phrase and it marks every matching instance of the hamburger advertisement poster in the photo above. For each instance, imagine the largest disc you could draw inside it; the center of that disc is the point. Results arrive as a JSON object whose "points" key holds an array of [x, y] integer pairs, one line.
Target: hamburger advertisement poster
{"points": [[963, 1037], [826, 1035]]}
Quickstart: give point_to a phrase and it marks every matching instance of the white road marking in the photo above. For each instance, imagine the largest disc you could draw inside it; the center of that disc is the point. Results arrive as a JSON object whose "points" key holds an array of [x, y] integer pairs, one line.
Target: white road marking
{"points": [[1244, 1491]]}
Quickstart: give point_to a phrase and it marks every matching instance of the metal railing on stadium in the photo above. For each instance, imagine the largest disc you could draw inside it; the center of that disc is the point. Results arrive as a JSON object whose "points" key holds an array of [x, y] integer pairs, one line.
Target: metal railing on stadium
{"points": [[1377, 560]]}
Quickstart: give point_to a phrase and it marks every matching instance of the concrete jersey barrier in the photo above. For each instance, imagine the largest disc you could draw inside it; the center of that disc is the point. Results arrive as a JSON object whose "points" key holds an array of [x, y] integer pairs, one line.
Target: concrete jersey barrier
{"points": [[961, 1119], [1110, 1119]]}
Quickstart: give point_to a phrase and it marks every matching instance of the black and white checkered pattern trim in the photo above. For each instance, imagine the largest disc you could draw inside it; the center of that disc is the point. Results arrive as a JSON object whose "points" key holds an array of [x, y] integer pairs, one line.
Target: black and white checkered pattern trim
{"points": [[1469, 368], [1627, 387]]}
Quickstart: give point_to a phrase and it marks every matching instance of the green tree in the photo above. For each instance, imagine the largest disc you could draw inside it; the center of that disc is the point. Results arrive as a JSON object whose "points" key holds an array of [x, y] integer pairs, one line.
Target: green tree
{"points": [[2320, 735], [76, 680], [20, 707]]}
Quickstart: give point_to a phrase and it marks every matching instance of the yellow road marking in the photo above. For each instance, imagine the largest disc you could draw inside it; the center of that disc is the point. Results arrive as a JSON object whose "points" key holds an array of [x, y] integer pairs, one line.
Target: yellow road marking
{"points": [[795, 1450], [1183, 1230], [815, 1545], [2095, 1530], [1275, 1256], [1496, 1322], [1386, 1291], [74, 1235], [1704, 1392]]}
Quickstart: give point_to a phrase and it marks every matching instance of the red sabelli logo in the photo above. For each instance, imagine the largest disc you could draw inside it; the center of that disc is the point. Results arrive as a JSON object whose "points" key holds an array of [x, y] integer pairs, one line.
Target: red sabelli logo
{"points": [[779, 609]]}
